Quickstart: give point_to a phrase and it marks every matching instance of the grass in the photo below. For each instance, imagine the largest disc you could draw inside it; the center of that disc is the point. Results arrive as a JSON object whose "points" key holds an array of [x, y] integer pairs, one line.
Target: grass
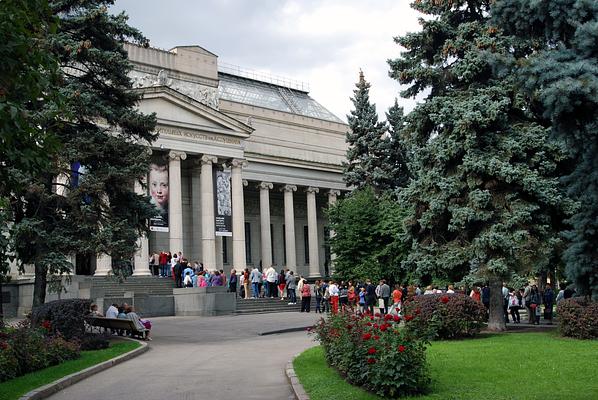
{"points": [[520, 366], [15, 388]]}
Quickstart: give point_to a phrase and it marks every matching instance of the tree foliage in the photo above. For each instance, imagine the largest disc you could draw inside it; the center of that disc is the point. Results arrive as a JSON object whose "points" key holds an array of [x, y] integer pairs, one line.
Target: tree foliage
{"points": [[484, 196], [63, 210], [365, 164], [368, 236], [560, 81]]}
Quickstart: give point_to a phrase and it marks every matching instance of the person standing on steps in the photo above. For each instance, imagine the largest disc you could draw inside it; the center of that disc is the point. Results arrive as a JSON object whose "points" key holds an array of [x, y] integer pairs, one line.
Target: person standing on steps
{"points": [[291, 286], [255, 278], [305, 297], [271, 277]]}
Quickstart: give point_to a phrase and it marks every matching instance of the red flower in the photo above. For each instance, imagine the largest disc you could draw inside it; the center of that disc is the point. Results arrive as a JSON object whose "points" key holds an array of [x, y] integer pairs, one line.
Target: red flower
{"points": [[383, 327], [408, 317], [376, 337], [387, 317], [349, 326], [366, 336], [377, 314], [401, 348], [444, 299], [369, 324], [371, 360], [46, 325], [376, 326], [417, 311], [372, 350], [396, 318]]}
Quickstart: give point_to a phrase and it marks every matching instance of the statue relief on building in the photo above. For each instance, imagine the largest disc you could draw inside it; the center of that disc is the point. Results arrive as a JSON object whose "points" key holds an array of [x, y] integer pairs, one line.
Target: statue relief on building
{"points": [[200, 93]]}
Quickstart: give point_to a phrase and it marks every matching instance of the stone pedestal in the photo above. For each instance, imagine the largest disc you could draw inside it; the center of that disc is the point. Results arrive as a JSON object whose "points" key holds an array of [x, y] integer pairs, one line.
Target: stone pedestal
{"points": [[206, 302]]}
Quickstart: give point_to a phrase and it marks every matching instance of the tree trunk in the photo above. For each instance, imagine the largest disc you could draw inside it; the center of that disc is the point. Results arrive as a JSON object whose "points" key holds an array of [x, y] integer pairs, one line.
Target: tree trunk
{"points": [[39, 285], [496, 321]]}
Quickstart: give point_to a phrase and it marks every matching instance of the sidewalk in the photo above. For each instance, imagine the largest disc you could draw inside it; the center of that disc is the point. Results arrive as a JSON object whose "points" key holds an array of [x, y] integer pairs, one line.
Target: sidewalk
{"points": [[205, 358]]}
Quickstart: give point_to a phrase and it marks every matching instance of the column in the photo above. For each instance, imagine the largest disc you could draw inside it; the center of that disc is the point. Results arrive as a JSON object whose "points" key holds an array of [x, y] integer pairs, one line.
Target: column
{"points": [[265, 224], [312, 231], [238, 214], [142, 253], [103, 261], [289, 227], [175, 201], [208, 227], [332, 197], [103, 265]]}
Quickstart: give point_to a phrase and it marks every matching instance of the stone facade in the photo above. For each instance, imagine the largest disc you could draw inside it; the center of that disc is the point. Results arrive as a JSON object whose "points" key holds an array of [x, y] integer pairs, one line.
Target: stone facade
{"points": [[284, 152]]}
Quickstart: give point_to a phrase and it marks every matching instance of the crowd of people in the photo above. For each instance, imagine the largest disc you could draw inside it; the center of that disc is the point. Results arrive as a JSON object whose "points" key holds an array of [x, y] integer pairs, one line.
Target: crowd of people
{"points": [[331, 295], [124, 311]]}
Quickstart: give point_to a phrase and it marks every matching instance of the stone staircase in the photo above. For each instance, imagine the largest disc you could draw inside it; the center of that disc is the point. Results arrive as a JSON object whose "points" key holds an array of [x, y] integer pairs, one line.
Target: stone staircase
{"points": [[263, 306]]}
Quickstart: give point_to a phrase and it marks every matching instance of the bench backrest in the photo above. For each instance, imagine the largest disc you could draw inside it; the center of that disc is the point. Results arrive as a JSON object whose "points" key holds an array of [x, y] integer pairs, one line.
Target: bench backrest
{"points": [[112, 323]]}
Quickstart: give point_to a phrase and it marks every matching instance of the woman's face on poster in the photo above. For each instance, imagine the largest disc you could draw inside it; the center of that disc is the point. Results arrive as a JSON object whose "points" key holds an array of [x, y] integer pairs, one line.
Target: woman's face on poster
{"points": [[158, 183]]}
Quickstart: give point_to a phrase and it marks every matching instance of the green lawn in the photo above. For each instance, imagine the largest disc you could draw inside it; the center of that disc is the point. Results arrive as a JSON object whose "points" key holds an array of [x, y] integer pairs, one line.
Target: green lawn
{"points": [[503, 366], [15, 388]]}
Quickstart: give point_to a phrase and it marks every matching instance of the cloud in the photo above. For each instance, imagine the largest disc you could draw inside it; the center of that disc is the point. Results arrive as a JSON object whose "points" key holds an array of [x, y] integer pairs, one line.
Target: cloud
{"points": [[322, 42]]}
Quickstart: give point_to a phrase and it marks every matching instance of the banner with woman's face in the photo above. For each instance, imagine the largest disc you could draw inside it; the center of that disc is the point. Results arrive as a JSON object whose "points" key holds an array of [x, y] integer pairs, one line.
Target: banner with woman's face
{"points": [[158, 187]]}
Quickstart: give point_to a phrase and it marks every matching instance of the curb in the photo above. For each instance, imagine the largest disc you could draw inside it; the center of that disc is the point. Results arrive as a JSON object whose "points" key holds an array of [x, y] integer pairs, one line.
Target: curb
{"points": [[296, 386], [69, 380], [286, 330]]}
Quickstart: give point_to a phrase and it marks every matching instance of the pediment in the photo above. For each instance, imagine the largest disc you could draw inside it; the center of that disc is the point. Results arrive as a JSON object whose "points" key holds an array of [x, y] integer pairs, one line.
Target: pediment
{"points": [[175, 108]]}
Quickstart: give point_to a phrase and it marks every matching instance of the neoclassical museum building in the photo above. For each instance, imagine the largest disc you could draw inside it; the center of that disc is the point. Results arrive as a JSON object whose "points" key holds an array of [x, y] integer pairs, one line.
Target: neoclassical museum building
{"points": [[243, 168]]}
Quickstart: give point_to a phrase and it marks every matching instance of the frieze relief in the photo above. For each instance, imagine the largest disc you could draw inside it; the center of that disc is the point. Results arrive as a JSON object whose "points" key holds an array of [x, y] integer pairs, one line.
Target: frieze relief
{"points": [[200, 93], [204, 137]]}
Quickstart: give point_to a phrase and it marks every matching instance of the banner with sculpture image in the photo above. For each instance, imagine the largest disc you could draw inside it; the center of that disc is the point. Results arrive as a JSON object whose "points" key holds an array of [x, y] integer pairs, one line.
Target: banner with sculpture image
{"points": [[222, 203], [158, 188]]}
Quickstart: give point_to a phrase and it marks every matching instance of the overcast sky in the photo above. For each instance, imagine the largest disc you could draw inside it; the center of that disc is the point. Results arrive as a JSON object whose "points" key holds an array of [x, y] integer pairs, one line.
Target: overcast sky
{"points": [[323, 43]]}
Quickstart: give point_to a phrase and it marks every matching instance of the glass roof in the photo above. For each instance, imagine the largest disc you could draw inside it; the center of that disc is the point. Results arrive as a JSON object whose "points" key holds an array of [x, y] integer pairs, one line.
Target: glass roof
{"points": [[262, 94]]}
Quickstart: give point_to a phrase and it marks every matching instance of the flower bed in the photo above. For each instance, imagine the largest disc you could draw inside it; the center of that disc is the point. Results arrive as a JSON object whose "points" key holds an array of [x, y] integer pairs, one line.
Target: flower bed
{"points": [[25, 349], [444, 316], [375, 353]]}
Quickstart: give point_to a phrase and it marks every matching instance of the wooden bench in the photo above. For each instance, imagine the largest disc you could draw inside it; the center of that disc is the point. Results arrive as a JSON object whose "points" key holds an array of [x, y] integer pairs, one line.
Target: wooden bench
{"points": [[115, 324]]}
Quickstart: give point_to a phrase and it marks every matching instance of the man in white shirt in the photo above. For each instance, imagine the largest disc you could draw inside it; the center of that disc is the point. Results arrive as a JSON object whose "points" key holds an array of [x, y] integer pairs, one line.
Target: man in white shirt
{"points": [[112, 311], [334, 292], [271, 277]]}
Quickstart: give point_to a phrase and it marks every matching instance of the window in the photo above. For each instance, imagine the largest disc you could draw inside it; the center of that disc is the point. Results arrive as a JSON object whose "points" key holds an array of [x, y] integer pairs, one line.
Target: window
{"points": [[272, 243], [327, 244], [306, 243], [284, 244], [247, 242]]}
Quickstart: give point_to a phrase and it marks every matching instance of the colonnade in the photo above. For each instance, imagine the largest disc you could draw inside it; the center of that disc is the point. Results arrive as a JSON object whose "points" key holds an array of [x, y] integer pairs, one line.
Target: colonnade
{"points": [[208, 237]]}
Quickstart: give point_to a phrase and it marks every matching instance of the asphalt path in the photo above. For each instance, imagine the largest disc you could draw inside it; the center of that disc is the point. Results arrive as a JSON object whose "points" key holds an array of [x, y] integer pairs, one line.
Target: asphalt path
{"points": [[205, 358]]}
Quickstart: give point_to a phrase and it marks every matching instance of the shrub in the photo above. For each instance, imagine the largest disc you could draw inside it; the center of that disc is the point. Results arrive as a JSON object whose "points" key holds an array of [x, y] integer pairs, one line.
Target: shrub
{"points": [[25, 349], [375, 353], [95, 341], [578, 318], [65, 317], [444, 316]]}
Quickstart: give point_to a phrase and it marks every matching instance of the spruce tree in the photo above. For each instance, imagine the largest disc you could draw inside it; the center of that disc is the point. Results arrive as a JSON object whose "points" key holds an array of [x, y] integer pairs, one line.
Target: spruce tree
{"points": [[363, 166], [396, 174], [484, 190], [560, 80], [53, 217]]}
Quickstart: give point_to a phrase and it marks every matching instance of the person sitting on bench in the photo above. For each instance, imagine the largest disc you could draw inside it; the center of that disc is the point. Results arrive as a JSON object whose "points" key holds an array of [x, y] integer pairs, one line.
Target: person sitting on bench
{"points": [[140, 326]]}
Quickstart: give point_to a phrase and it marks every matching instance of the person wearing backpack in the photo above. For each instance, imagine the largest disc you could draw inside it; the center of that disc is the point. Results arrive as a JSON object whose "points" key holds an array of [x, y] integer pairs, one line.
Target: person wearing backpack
{"points": [[305, 297]]}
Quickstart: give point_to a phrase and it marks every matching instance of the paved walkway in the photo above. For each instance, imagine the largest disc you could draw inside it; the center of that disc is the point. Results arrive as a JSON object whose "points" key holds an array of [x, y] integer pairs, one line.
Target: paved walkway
{"points": [[214, 358]]}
